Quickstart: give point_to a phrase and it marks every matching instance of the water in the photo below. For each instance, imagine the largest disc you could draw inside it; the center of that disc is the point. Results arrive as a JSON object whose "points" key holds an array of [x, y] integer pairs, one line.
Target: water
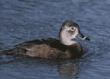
{"points": [[24, 20]]}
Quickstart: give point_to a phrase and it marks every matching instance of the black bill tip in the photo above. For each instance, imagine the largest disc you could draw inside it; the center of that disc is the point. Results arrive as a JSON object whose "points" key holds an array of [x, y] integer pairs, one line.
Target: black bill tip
{"points": [[87, 38]]}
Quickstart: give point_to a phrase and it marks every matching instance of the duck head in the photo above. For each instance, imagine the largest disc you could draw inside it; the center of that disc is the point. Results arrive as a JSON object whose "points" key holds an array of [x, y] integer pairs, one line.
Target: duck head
{"points": [[69, 31]]}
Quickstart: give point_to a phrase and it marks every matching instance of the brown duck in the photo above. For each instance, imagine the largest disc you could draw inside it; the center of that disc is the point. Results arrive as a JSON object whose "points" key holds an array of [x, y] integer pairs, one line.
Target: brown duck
{"points": [[51, 47]]}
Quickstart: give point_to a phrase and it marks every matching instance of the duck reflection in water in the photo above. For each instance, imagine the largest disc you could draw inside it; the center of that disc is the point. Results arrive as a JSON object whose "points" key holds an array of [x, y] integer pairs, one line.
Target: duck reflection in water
{"points": [[51, 47], [68, 69]]}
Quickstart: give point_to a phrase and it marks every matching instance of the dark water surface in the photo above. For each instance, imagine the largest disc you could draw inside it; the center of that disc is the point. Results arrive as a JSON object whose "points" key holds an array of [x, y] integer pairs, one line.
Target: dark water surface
{"points": [[24, 20]]}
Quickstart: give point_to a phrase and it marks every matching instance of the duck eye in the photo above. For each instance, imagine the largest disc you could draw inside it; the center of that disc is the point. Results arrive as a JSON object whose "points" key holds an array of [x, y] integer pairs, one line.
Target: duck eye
{"points": [[72, 28]]}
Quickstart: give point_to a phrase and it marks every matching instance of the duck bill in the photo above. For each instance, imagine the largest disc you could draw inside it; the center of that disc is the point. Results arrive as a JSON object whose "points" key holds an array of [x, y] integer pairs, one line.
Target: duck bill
{"points": [[81, 36]]}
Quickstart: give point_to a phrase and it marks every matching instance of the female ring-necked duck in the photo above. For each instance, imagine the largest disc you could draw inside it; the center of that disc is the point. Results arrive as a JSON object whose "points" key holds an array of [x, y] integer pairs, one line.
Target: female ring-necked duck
{"points": [[51, 47]]}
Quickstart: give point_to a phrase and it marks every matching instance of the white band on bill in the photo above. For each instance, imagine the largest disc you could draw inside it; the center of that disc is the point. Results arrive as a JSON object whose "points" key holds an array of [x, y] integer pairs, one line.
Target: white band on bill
{"points": [[84, 38]]}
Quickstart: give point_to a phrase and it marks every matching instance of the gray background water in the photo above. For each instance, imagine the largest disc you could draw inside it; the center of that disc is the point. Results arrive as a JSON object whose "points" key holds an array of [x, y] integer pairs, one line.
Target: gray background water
{"points": [[24, 20]]}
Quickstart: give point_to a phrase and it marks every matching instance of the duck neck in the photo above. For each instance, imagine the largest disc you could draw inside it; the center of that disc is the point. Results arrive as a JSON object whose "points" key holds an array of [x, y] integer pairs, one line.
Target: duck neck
{"points": [[68, 42]]}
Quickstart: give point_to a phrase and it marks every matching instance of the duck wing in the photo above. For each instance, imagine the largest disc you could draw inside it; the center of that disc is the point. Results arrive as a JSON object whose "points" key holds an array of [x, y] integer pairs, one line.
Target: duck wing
{"points": [[47, 41], [23, 47]]}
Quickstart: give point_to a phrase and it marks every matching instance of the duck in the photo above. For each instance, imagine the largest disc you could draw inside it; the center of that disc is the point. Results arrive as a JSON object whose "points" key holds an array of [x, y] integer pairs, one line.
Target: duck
{"points": [[66, 47]]}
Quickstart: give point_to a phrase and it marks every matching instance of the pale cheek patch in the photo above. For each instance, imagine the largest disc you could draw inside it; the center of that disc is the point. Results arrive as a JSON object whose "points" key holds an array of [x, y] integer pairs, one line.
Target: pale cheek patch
{"points": [[71, 33]]}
